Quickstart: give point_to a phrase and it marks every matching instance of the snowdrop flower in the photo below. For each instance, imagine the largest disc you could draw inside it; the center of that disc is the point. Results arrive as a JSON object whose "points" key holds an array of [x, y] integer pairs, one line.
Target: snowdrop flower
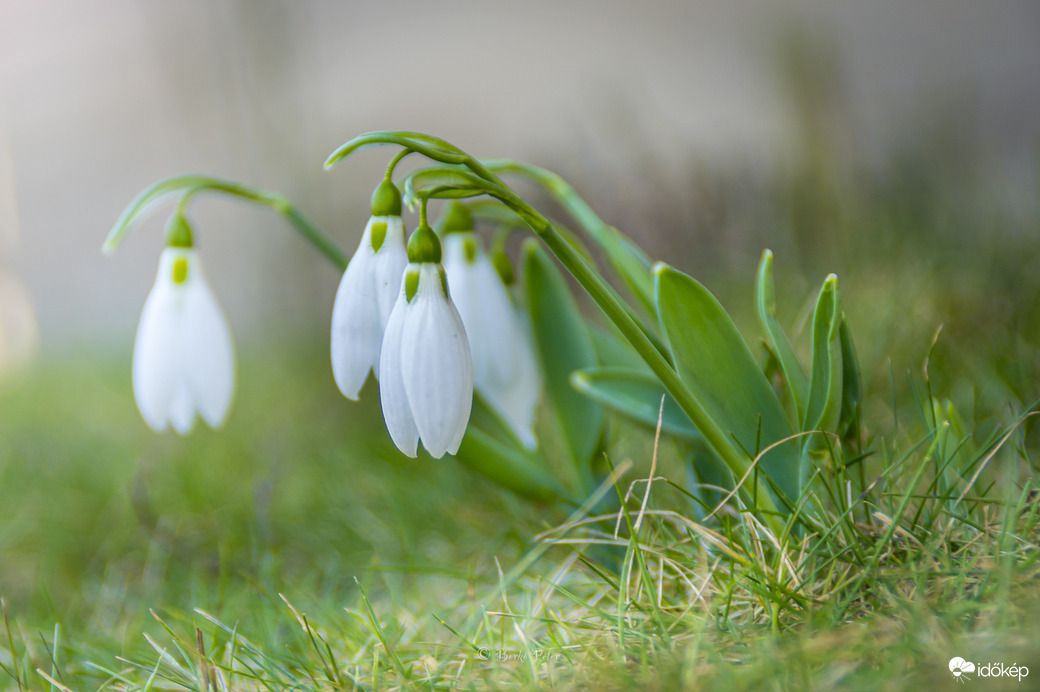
{"points": [[367, 293], [184, 361], [426, 387], [505, 372]]}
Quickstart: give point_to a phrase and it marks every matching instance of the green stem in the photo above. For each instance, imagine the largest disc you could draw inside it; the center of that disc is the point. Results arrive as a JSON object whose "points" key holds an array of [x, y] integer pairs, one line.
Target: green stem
{"points": [[422, 211], [389, 177], [190, 185], [313, 234], [626, 258], [564, 193]]}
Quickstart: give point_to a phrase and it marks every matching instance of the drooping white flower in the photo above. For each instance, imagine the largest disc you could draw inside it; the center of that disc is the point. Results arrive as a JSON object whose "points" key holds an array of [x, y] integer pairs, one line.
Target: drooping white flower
{"points": [[426, 387], [505, 372], [184, 361], [365, 297]]}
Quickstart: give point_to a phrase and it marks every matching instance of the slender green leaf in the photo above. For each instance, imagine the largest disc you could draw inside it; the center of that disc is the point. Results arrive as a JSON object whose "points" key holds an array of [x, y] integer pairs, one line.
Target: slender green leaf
{"points": [[851, 385], [630, 263], [825, 383], [564, 345], [717, 367], [765, 302], [636, 394]]}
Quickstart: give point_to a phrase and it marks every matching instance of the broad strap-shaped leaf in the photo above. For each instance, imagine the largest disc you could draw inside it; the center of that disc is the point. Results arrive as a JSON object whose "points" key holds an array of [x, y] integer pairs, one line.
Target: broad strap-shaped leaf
{"points": [[612, 351], [715, 364], [637, 395], [564, 345], [765, 303], [825, 381]]}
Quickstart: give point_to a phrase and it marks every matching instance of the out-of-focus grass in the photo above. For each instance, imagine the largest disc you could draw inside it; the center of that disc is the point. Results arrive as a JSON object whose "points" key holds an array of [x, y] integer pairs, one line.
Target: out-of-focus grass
{"points": [[101, 519]]}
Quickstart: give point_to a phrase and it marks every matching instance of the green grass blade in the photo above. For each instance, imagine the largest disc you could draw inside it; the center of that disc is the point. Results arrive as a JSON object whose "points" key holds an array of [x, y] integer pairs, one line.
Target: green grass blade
{"points": [[373, 622]]}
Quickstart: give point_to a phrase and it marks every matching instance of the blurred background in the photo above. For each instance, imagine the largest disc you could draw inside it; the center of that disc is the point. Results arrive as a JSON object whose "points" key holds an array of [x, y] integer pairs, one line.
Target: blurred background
{"points": [[676, 119], [896, 144]]}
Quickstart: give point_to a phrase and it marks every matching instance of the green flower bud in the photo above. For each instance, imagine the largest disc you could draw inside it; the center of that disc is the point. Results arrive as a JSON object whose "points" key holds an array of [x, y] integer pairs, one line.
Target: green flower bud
{"points": [[424, 245], [178, 232], [386, 200], [456, 218]]}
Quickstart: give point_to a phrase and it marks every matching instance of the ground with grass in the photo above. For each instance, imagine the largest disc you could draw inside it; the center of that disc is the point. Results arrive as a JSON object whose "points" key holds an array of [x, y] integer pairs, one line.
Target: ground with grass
{"points": [[296, 549]]}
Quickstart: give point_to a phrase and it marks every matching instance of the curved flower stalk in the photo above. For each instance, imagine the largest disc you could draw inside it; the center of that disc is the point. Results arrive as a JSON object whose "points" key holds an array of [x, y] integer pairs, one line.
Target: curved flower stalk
{"points": [[367, 293], [426, 386], [184, 361], [504, 368]]}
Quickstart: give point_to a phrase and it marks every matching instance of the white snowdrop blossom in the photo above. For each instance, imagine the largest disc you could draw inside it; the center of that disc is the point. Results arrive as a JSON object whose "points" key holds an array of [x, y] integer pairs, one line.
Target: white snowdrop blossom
{"points": [[426, 386], [184, 361], [505, 372], [364, 300]]}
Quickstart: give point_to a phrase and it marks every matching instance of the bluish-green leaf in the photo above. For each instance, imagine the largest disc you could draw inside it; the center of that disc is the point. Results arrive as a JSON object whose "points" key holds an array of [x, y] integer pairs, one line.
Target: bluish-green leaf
{"points": [[717, 367], [563, 346], [824, 404], [630, 263], [851, 385], [508, 466], [636, 394], [765, 302], [613, 351]]}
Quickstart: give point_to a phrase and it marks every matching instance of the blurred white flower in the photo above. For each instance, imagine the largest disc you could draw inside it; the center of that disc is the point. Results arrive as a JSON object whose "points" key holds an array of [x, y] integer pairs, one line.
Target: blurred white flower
{"points": [[184, 361], [426, 386], [364, 300], [505, 372]]}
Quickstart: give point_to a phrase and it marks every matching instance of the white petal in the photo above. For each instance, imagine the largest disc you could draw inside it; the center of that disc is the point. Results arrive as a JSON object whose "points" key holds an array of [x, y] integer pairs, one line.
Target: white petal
{"points": [[356, 328], [182, 410], [390, 261], [156, 364], [517, 402], [183, 356], [504, 371], [207, 353], [483, 305], [153, 374], [436, 365], [392, 395]]}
